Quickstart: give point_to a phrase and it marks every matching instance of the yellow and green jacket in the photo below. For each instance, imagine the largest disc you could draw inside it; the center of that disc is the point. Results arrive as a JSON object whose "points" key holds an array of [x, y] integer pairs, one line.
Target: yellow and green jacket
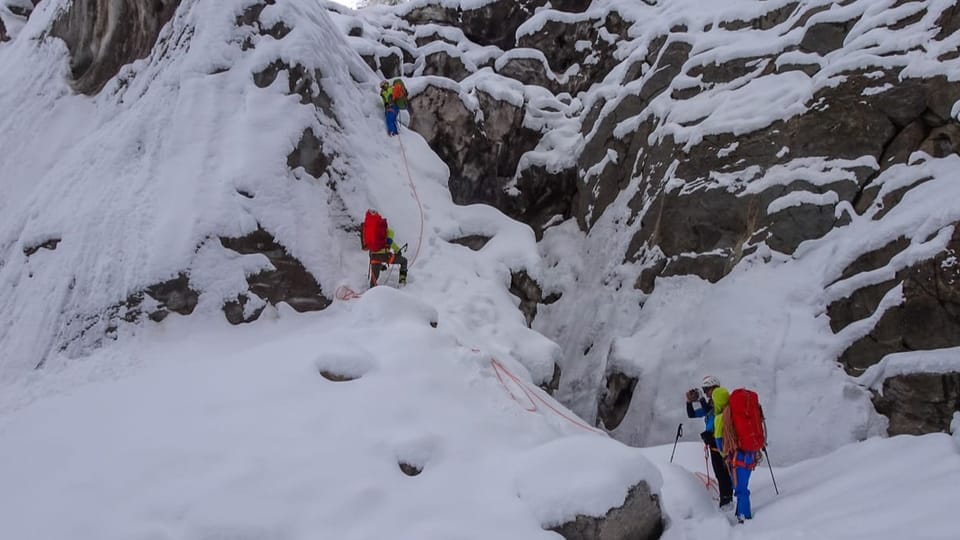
{"points": [[391, 245], [721, 398]]}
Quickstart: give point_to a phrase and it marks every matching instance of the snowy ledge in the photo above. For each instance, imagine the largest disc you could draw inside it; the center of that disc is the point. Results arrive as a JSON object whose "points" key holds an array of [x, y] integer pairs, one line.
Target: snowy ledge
{"points": [[908, 363]]}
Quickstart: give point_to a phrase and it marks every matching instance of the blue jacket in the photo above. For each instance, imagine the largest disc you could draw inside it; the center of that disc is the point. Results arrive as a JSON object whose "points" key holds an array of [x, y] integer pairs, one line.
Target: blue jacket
{"points": [[705, 411]]}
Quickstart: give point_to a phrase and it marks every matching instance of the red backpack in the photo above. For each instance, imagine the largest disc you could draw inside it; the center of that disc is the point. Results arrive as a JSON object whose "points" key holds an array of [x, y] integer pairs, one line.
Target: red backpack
{"points": [[747, 416], [374, 234], [399, 94]]}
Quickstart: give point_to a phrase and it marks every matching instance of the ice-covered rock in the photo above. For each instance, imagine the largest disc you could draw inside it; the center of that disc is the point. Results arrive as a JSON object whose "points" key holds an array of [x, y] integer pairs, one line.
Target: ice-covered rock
{"points": [[692, 140]]}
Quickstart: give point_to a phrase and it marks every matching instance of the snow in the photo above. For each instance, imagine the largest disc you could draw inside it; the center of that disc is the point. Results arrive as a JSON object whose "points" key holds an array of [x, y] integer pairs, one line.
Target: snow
{"points": [[893, 365], [194, 429], [853, 493], [232, 431], [763, 326], [191, 428], [797, 198]]}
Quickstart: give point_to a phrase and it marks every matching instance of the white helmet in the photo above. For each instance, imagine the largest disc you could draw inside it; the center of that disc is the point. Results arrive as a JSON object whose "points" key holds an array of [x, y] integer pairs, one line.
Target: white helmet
{"points": [[710, 381]]}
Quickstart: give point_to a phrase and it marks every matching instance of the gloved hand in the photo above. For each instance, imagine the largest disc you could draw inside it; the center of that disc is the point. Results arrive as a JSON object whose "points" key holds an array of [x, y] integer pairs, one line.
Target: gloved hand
{"points": [[389, 241], [693, 395], [707, 438]]}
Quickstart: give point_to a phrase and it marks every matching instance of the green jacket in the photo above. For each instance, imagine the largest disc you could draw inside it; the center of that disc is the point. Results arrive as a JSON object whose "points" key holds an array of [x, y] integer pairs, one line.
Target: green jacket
{"points": [[387, 96], [721, 398], [391, 244]]}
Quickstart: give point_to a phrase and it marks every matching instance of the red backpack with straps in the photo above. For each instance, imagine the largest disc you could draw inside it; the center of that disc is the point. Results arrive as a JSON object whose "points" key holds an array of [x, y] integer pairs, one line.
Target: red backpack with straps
{"points": [[374, 233], [747, 417]]}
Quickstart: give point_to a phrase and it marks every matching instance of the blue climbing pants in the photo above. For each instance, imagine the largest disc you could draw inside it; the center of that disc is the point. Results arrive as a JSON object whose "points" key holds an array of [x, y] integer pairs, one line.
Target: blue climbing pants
{"points": [[390, 114], [744, 463]]}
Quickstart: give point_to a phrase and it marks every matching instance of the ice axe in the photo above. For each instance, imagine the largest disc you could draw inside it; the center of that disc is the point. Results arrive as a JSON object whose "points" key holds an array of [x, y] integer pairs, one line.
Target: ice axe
{"points": [[676, 440]]}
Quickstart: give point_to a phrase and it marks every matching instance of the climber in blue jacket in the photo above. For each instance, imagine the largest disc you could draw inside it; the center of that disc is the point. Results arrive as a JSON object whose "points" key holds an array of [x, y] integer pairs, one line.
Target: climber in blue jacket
{"points": [[705, 411]]}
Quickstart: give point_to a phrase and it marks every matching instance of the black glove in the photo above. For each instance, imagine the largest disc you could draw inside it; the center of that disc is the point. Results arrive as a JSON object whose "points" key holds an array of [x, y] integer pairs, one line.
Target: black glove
{"points": [[707, 437], [693, 395]]}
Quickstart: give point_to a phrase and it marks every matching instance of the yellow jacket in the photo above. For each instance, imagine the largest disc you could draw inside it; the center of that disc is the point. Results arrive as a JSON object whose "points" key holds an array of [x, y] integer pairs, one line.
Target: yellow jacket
{"points": [[721, 398], [391, 244]]}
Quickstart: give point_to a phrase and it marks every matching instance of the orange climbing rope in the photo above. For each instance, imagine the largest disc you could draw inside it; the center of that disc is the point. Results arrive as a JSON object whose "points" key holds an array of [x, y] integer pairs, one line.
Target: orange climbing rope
{"points": [[534, 396], [708, 483], [416, 197]]}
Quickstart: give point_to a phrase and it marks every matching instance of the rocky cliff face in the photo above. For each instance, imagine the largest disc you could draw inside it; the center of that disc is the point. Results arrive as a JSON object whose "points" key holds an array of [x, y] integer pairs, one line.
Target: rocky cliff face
{"points": [[700, 139], [664, 140], [104, 35]]}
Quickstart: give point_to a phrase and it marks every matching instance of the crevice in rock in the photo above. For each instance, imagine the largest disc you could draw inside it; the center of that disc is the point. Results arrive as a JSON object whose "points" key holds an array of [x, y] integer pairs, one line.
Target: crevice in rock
{"points": [[528, 291], [615, 402], [553, 384]]}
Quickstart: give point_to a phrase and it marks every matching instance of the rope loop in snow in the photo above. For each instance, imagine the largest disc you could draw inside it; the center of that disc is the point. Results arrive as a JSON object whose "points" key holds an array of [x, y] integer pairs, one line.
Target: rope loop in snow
{"points": [[533, 396]]}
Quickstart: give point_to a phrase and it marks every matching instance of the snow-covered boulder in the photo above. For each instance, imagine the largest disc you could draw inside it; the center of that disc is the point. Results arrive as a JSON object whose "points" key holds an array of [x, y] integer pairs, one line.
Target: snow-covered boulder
{"points": [[638, 518]]}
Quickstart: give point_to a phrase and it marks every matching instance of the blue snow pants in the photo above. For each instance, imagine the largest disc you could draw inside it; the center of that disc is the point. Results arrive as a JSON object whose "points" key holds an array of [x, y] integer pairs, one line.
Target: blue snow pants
{"points": [[741, 482], [390, 114]]}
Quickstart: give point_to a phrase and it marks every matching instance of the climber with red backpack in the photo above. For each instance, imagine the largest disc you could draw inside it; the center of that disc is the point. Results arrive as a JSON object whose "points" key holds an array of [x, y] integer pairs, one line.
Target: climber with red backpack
{"points": [[741, 435], [377, 238]]}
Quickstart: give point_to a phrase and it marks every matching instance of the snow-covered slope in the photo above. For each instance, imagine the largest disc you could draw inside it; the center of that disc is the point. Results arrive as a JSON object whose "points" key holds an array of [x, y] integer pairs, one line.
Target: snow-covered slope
{"points": [[232, 432], [754, 189], [221, 178], [157, 200]]}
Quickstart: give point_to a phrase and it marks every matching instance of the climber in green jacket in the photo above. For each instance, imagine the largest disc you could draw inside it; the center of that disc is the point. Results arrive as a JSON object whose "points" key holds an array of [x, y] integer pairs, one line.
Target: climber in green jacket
{"points": [[391, 254]]}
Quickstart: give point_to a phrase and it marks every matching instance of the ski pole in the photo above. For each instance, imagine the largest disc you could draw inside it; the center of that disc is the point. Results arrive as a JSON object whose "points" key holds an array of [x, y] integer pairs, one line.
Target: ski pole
{"points": [[679, 434], [771, 470]]}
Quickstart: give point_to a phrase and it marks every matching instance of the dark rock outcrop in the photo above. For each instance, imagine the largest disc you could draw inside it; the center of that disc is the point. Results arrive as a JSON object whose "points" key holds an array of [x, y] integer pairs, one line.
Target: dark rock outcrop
{"points": [[288, 282], [475, 23], [473, 241], [563, 43], [171, 296], [50, 244], [919, 403], [309, 154], [336, 377], [639, 518], [928, 317], [528, 291], [104, 35], [615, 401], [482, 156], [409, 469]]}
